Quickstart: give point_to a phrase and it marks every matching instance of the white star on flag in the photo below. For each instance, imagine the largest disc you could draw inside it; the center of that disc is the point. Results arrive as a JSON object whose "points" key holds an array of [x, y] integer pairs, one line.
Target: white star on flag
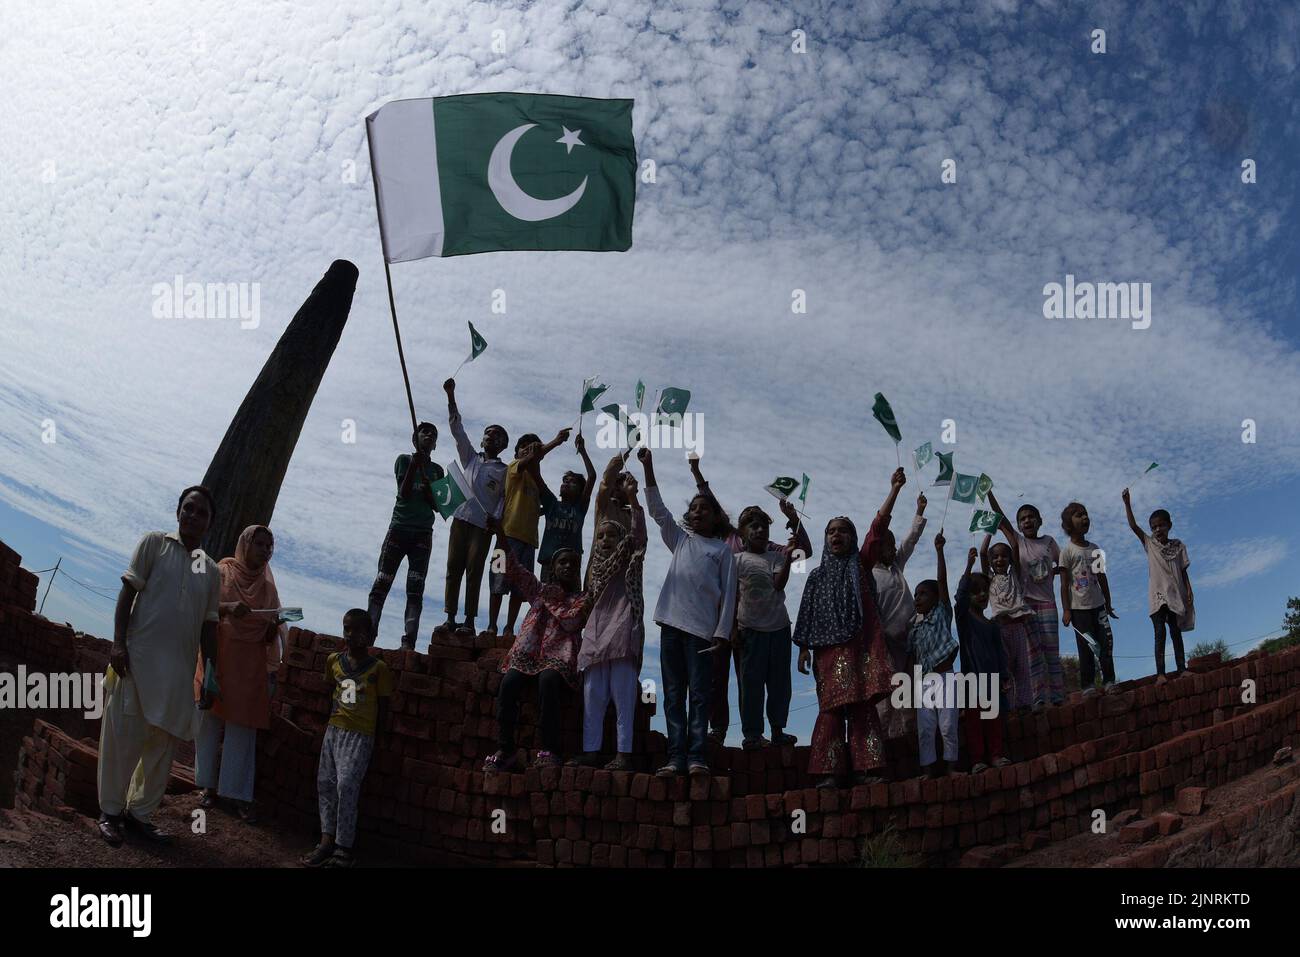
{"points": [[570, 139]]}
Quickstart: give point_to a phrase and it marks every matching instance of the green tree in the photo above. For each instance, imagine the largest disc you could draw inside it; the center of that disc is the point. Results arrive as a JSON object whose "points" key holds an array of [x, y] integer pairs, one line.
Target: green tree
{"points": [[1291, 622], [1202, 648]]}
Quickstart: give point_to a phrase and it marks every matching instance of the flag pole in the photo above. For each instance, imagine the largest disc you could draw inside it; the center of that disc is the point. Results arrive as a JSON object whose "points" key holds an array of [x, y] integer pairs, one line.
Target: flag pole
{"points": [[946, 501], [388, 278]]}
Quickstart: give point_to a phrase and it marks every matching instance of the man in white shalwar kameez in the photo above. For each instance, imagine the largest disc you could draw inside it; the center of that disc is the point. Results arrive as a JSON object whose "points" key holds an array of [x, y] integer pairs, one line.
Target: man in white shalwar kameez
{"points": [[166, 611]]}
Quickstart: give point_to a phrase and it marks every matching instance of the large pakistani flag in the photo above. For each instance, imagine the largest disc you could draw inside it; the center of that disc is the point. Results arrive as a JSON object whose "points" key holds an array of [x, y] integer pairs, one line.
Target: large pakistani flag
{"points": [[489, 171]]}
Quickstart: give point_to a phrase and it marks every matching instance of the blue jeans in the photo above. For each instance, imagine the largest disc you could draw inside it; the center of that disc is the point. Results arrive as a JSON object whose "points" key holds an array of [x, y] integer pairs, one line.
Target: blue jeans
{"points": [[687, 674]]}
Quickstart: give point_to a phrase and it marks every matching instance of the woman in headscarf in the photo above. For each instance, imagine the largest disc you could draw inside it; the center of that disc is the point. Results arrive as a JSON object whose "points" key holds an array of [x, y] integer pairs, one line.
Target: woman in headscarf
{"points": [[248, 643], [614, 638], [839, 632]]}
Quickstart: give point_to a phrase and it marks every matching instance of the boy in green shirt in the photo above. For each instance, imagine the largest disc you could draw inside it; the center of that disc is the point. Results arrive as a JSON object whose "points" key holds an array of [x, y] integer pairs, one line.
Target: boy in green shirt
{"points": [[410, 532]]}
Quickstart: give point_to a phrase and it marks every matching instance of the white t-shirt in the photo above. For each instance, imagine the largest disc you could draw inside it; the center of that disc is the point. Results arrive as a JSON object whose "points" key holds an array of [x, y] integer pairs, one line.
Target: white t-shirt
{"points": [[1166, 563], [762, 606], [1085, 588], [1039, 558]]}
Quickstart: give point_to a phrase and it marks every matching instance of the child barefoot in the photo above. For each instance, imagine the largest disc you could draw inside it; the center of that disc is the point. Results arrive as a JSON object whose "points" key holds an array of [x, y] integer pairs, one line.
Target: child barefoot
{"points": [[1085, 599], [361, 684], [1170, 590], [838, 632], [983, 655], [930, 644], [612, 642]]}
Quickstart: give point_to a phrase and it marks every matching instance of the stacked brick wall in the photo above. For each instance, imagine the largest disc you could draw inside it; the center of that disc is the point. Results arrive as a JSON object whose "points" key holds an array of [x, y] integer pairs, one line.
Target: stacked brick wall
{"points": [[426, 797], [56, 774]]}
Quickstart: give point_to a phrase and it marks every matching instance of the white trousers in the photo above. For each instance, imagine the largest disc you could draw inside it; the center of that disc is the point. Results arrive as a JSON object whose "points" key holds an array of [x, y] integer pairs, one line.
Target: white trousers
{"points": [[609, 679], [928, 718], [135, 757], [225, 757]]}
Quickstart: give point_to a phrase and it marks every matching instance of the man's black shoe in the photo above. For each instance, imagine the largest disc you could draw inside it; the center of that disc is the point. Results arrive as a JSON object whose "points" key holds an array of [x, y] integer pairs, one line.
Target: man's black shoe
{"points": [[110, 829], [146, 830]]}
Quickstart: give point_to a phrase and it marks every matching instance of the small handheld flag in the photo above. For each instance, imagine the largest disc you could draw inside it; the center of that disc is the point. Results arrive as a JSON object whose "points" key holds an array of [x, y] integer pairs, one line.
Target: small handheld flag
{"points": [[982, 521], [945, 468], [885, 416], [448, 493], [591, 391], [281, 614], [782, 486], [963, 488], [477, 346], [640, 394], [923, 456], [803, 492], [674, 401], [983, 486]]}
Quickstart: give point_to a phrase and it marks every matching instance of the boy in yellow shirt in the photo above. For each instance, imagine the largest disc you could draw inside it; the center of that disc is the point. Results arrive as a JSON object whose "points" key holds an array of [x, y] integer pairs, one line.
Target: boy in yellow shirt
{"points": [[361, 685], [523, 508]]}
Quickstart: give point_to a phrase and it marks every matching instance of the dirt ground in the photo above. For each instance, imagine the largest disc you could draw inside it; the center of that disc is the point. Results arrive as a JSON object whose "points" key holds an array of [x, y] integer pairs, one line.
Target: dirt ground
{"points": [[1088, 849], [28, 839]]}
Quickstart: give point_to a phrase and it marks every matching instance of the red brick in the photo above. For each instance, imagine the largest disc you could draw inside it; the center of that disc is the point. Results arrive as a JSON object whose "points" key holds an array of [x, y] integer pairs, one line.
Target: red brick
{"points": [[1138, 831], [1191, 801], [1168, 823]]}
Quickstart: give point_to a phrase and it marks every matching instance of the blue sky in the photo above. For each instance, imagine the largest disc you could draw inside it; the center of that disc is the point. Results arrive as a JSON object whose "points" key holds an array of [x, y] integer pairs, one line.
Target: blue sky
{"points": [[146, 143]]}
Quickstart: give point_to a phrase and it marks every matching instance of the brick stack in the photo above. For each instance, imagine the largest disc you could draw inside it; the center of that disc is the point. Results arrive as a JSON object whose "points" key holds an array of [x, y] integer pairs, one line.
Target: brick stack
{"points": [[17, 584], [425, 796], [56, 774]]}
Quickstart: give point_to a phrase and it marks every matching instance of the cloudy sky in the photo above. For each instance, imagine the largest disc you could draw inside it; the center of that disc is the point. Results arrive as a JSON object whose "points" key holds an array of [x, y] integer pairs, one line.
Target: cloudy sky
{"points": [[150, 140]]}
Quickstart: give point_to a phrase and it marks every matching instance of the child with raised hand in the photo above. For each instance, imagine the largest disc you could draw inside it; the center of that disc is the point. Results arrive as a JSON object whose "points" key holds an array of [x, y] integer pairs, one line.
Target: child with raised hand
{"points": [[1038, 558], [1001, 564], [546, 650], [723, 657], [1169, 592], [470, 541], [838, 632], [982, 655], [887, 559], [1085, 599], [763, 626], [360, 683], [565, 515], [695, 612], [410, 532], [523, 506], [614, 637], [931, 645]]}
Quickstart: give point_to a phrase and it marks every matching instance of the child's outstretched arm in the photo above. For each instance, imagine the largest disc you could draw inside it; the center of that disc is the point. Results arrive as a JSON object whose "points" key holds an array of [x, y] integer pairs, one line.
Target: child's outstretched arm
{"points": [[580, 444], [464, 450], [1007, 529], [1132, 522], [560, 438], [984, 554], [669, 530], [942, 573], [896, 483], [802, 541]]}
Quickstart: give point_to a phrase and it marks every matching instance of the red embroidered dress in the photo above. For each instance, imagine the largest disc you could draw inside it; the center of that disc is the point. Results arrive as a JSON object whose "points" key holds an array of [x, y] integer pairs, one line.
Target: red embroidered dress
{"points": [[552, 630]]}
